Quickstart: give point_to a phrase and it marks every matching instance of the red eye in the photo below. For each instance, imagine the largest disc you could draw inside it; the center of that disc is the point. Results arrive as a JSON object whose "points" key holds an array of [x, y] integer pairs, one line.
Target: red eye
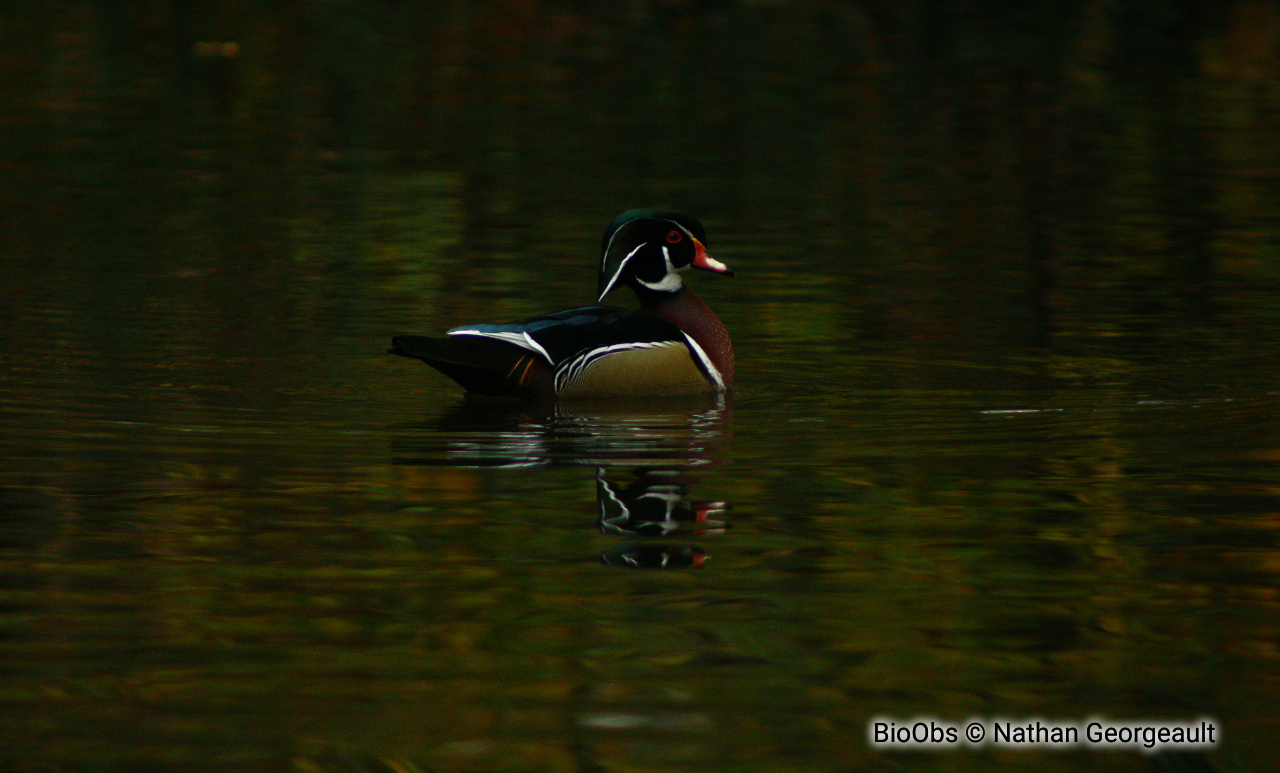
{"points": [[674, 237]]}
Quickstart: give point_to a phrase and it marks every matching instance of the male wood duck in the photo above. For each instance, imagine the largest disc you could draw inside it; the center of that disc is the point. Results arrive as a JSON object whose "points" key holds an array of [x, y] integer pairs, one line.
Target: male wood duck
{"points": [[673, 344]]}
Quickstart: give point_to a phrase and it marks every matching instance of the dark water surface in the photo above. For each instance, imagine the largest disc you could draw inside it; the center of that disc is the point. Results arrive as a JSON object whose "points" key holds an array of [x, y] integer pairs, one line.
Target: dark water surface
{"points": [[1004, 444]]}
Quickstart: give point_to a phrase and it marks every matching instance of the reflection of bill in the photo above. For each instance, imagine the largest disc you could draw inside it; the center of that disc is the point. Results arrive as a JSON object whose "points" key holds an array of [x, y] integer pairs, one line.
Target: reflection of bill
{"points": [[650, 555], [653, 504]]}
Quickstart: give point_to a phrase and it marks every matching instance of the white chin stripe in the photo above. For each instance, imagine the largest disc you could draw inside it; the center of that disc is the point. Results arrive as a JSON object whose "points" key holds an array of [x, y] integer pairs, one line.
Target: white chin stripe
{"points": [[669, 283], [716, 378], [522, 340]]}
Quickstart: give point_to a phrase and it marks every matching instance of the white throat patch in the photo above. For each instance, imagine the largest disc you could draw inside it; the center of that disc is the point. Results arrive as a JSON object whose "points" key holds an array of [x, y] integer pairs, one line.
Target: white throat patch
{"points": [[669, 283]]}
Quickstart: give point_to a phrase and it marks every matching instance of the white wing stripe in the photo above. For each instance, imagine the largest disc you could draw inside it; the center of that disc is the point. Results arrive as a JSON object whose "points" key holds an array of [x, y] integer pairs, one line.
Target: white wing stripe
{"points": [[520, 339], [573, 369]]}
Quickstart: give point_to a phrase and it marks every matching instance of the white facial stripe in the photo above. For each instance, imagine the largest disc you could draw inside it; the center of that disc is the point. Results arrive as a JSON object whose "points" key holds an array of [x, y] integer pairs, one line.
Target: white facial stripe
{"points": [[706, 362], [620, 229], [614, 279]]}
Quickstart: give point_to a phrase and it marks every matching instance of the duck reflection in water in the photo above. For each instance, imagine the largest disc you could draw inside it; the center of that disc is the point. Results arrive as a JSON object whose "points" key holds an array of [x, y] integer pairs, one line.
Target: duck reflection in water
{"points": [[484, 432], [658, 440], [654, 504]]}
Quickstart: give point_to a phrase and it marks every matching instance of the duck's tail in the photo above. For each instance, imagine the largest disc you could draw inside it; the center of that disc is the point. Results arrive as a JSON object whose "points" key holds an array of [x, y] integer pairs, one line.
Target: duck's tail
{"points": [[481, 365]]}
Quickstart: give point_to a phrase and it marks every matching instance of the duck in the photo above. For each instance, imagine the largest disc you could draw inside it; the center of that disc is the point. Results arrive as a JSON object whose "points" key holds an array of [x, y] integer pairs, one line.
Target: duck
{"points": [[673, 344]]}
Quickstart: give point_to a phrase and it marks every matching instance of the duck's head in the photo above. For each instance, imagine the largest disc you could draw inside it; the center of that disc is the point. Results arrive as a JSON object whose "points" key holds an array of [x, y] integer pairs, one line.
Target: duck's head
{"points": [[646, 249]]}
